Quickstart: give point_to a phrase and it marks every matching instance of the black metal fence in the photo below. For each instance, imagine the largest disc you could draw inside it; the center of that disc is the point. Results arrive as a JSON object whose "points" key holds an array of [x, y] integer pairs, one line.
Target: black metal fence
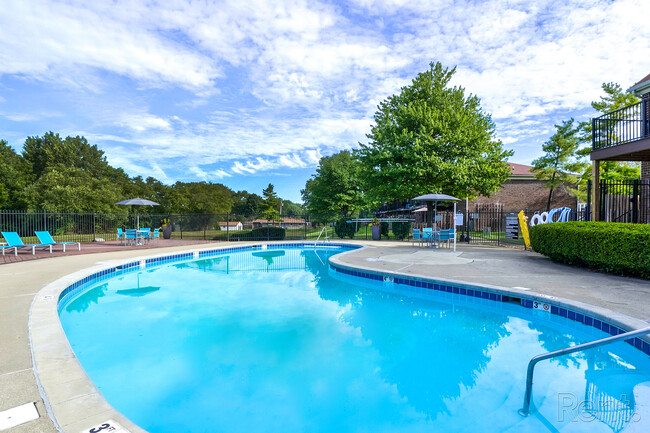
{"points": [[621, 126], [484, 224], [624, 201]]}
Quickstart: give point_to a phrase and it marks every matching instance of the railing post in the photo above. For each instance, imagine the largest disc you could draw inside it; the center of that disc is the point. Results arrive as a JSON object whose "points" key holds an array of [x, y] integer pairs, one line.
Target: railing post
{"points": [[94, 235], [228, 227], [593, 134], [645, 121]]}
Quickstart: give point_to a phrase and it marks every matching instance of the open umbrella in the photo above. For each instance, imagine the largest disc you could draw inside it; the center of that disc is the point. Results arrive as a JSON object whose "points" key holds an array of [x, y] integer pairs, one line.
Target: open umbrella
{"points": [[432, 203], [137, 202]]}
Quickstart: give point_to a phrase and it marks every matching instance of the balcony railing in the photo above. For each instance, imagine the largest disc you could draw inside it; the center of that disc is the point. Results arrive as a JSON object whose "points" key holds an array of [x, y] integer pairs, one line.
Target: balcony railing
{"points": [[622, 126]]}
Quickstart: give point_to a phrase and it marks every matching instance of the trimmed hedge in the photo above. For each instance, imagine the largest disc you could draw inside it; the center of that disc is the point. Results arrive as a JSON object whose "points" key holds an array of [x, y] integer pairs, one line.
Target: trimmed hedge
{"points": [[344, 229], [611, 247], [402, 230], [263, 233]]}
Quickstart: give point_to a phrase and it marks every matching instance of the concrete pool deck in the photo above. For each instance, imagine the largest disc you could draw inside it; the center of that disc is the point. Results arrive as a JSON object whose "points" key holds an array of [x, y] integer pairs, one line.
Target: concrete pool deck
{"points": [[501, 267]]}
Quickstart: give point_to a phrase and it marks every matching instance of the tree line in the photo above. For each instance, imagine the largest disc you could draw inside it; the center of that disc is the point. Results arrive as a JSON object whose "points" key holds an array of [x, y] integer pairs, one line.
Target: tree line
{"points": [[68, 174]]}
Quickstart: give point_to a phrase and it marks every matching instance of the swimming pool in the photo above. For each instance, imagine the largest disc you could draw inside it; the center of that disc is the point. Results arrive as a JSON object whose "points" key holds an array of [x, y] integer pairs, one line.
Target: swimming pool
{"points": [[276, 340]]}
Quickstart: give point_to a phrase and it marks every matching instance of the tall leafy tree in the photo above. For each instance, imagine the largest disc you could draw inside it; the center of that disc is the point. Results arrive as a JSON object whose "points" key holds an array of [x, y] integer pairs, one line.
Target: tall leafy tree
{"points": [[614, 98], [334, 189], [431, 138], [557, 165], [271, 204], [14, 177]]}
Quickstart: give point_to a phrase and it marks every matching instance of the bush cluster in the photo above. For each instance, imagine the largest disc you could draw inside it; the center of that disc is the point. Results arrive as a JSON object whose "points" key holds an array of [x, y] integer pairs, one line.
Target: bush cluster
{"points": [[344, 229], [611, 247], [402, 230], [270, 233]]}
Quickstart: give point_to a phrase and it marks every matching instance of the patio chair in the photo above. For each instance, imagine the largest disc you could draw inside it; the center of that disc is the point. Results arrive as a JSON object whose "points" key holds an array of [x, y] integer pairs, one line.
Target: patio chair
{"points": [[121, 236], [144, 234], [417, 236], [131, 235], [46, 239], [428, 235], [448, 235], [155, 234], [14, 241]]}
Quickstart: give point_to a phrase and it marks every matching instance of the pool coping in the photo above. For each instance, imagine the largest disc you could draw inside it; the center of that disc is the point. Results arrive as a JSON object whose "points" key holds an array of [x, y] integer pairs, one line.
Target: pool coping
{"points": [[68, 392]]}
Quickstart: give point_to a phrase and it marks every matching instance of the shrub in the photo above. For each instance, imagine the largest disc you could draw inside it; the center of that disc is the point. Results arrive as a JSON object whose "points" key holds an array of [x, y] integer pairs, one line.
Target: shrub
{"points": [[344, 229], [270, 233], [385, 229], [401, 230], [610, 247]]}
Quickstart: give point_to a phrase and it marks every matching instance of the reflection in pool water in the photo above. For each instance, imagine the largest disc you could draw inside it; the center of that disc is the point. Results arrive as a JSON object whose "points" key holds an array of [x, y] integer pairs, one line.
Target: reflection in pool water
{"points": [[275, 341]]}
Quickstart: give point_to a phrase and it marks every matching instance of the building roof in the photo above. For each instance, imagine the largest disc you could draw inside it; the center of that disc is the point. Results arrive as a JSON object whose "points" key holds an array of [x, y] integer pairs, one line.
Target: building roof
{"points": [[284, 220], [231, 223], [518, 171], [641, 87]]}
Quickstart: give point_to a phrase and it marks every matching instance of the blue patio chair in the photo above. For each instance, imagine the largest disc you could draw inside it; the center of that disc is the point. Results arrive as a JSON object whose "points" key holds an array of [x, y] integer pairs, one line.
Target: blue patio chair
{"points": [[155, 234], [448, 235], [45, 238], [427, 235], [131, 236], [121, 236], [14, 241], [417, 236], [145, 234]]}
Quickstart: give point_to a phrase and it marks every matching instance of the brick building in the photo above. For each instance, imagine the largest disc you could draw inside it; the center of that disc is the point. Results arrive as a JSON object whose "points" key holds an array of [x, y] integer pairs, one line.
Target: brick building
{"points": [[522, 191]]}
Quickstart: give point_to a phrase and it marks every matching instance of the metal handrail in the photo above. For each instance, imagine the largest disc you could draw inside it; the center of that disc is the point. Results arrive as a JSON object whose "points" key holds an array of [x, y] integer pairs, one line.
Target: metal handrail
{"points": [[603, 341]]}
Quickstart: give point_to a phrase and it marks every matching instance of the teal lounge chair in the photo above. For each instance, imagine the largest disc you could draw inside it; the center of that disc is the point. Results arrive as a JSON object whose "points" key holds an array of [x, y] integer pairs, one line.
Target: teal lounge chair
{"points": [[14, 241], [46, 239]]}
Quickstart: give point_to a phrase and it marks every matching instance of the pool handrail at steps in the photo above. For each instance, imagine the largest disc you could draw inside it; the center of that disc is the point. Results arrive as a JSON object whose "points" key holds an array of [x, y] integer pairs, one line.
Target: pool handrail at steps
{"points": [[580, 347]]}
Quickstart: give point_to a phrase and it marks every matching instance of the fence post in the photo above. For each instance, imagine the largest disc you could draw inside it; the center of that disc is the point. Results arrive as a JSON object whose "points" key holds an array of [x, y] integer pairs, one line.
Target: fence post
{"points": [[94, 235], [205, 225], [227, 226], [499, 216], [635, 201], [181, 225]]}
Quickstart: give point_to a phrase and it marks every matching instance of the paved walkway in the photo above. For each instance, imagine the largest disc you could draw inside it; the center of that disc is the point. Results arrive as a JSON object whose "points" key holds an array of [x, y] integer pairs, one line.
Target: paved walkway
{"points": [[21, 281]]}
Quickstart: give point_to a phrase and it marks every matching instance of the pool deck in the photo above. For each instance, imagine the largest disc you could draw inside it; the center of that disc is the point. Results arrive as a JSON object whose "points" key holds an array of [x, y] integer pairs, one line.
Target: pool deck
{"points": [[22, 280]]}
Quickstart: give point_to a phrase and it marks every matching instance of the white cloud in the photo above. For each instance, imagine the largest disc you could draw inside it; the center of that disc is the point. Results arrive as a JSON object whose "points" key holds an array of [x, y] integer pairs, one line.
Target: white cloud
{"points": [[143, 122], [276, 84]]}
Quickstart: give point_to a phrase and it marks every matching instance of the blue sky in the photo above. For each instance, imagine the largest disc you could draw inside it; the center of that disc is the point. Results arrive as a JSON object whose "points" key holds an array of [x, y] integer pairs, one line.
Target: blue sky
{"points": [[253, 92]]}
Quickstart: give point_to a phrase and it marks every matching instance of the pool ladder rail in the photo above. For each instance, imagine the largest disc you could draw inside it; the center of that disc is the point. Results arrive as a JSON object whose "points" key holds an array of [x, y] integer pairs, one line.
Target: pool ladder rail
{"points": [[580, 347]]}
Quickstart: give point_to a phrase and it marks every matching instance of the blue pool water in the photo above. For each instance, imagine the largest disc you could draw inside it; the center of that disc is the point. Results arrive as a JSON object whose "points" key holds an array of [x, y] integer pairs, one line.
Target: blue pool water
{"points": [[275, 341]]}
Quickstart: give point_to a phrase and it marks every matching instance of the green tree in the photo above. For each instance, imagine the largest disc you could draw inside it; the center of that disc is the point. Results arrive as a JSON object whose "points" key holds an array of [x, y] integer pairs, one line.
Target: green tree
{"points": [[292, 209], [334, 189], [614, 99], [431, 138], [69, 175], [558, 164], [271, 204], [14, 176], [204, 197], [247, 204]]}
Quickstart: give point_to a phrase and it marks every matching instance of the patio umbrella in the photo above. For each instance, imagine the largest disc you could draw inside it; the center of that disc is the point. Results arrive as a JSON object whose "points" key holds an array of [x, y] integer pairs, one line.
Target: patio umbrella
{"points": [[137, 202], [432, 203]]}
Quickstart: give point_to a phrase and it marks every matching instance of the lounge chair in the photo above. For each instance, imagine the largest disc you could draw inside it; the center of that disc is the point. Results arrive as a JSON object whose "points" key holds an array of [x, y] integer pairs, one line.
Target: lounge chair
{"points": [[46, 239], [121, 236], [14, 241]]}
